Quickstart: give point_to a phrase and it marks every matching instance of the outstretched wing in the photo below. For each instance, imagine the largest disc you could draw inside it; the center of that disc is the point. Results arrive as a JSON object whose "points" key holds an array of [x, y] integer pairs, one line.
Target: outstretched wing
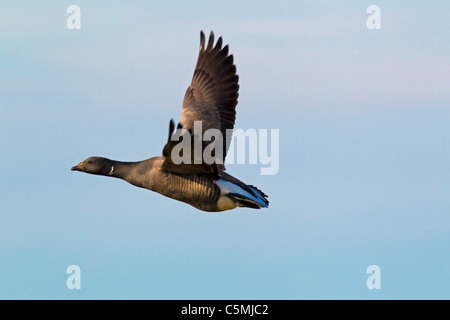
{"points": [[212, 96]]}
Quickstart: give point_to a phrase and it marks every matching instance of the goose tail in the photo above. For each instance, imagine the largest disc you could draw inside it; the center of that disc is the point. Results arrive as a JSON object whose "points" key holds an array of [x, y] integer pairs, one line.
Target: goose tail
{"points": [[243, 195]]}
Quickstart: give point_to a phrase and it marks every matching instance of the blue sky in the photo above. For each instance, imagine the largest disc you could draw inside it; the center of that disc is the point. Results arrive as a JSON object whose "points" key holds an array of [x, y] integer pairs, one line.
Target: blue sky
{"points": [[364, 151]]}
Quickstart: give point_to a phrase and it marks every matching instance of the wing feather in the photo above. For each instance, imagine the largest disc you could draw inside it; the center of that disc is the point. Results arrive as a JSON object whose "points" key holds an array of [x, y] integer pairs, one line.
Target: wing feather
{"points": [[212, 95]]}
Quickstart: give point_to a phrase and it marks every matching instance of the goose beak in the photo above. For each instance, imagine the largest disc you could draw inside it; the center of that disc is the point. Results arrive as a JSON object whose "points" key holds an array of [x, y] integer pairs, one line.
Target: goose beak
{"points": [[78, 167]]}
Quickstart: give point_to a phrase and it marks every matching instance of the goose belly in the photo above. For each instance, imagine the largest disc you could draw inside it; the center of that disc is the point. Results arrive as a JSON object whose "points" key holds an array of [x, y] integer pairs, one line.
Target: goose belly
{"points": [[199, 191]]}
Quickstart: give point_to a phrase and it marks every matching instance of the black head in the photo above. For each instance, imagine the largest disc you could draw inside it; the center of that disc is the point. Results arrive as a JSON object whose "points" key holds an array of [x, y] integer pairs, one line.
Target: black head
{"points": [[95, 165]]}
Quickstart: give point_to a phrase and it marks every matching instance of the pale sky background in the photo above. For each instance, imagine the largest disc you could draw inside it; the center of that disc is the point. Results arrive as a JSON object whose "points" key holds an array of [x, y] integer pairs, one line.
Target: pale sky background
{"points": [[364, 120]]}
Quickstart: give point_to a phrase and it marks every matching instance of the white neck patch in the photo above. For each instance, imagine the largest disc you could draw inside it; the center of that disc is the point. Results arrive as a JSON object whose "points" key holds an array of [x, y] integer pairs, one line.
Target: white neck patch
{"points": [[111, 171]]}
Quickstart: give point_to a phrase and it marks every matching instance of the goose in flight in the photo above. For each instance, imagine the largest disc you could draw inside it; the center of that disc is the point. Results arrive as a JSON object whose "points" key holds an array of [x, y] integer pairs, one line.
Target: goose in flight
{"points": [[209, 104]]}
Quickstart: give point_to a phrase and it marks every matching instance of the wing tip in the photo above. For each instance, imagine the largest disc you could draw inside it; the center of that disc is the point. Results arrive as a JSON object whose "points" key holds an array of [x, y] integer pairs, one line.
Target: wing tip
{"points": [[210, 41], [202, 40]]}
